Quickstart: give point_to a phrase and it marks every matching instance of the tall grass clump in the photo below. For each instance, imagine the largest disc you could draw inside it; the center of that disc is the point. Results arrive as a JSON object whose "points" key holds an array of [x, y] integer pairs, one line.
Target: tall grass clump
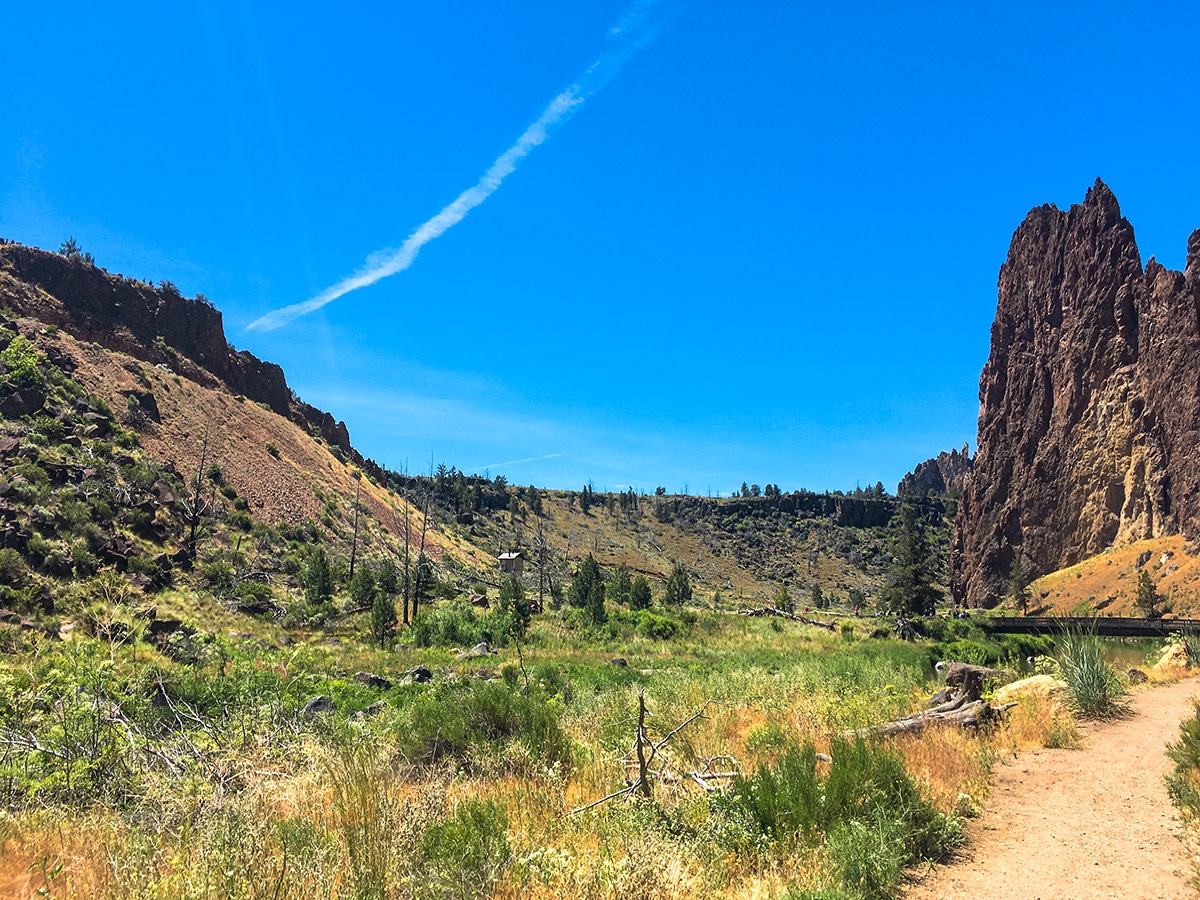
{"points": [[1095, 690], [1183, 783], [868, 812]]}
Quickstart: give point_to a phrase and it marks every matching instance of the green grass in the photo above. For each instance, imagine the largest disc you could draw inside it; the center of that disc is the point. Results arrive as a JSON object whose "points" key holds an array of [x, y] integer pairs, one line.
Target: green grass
{"points": [[1095, 689]]}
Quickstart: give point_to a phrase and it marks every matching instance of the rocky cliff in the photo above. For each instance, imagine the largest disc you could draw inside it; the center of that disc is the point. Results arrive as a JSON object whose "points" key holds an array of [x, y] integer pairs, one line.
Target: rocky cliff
{"points": [[157, 325], [1089, 421], [940, 474]]}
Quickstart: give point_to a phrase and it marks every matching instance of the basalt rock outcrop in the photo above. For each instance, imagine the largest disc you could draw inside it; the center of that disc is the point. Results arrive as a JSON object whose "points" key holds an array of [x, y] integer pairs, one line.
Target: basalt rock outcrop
{"points": [[1089, 421], [939, 475], [157, 325]]}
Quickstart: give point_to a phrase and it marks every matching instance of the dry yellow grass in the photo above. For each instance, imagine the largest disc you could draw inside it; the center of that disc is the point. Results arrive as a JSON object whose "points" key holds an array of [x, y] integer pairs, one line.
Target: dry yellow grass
{"points": [[1106, 584]]}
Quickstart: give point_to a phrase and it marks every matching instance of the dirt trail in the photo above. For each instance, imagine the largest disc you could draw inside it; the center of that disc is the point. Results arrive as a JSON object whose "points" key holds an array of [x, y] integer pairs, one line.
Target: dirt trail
{"points": [[1075, 824]]}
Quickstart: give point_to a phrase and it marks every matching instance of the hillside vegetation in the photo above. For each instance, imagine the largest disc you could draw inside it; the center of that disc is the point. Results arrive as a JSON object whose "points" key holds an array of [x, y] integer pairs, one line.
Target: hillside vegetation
{"points": [[239, 660]]}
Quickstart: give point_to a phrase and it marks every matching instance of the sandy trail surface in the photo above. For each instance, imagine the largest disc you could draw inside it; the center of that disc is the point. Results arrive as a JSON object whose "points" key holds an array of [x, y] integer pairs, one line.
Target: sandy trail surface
{"points": [[1075, 824]]}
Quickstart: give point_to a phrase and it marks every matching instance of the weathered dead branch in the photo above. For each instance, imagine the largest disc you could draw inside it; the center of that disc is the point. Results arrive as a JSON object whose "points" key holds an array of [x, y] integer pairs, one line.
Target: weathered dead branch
{"points": [[783, 614], [665, 773], [962, 707]]}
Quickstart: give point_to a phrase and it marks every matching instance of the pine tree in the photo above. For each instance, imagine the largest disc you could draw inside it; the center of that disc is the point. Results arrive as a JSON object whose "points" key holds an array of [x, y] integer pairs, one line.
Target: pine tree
{"points": [[516, 606], [679, 586], [1149, 600], [910, 589], [639, 593], [383, 618]]}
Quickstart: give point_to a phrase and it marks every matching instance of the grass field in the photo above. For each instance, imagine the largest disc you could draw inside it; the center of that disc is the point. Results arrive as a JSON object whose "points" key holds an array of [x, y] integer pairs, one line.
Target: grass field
{"points": [[133, 772]]}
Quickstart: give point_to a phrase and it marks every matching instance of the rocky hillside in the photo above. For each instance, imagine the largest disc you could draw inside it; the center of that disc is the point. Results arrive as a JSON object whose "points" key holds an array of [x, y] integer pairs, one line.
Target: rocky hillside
{"points": [[137, 385], [944, 474], [1089, 423]]}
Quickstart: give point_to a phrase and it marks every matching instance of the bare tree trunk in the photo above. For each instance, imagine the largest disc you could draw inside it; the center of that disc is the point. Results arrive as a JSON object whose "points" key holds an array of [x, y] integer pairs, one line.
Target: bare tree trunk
{"points": [[354, 541], [197, 504], [639, 744], [407, 548], [416, 599]]}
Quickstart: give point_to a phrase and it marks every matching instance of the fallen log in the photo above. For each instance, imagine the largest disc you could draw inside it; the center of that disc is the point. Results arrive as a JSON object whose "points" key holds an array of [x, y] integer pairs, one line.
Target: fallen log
{"points": [[961, 712], [967, 678], [775, 611]]}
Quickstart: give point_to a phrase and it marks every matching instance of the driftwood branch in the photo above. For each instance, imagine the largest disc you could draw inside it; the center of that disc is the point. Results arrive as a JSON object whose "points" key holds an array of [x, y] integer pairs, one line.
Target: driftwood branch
{"points": [[959, 704], [642, 784], [783, 614]]}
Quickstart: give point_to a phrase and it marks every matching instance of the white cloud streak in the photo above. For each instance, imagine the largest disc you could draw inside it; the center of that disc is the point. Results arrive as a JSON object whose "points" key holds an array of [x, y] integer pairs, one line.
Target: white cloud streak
{"points": [[627, 37], [511, 462]]}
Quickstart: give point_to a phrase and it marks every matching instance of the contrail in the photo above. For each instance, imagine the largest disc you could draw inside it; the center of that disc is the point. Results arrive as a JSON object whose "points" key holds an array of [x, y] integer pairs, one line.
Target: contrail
{"points": [[512, 462], [628, 36]]}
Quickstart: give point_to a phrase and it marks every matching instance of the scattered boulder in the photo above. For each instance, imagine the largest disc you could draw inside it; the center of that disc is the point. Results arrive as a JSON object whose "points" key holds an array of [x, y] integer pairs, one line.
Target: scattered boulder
{"points": [[1174, 656], [419, 675], [370, 679], [480, 649], [1137, 676], [317, 705], [1043, 687], [164, 492], [22, 403], [1143, 558], [374, 709], [159, 627]]}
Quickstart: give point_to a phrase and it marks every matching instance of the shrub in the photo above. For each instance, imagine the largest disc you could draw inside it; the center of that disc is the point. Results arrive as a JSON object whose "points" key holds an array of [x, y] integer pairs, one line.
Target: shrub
{"points": [[465, 852], [875, 817], [457, 625], [23, 362], [472, 719], [272, 449], [12, 567], [1094, 688], [1183, 783], [655, 627]]}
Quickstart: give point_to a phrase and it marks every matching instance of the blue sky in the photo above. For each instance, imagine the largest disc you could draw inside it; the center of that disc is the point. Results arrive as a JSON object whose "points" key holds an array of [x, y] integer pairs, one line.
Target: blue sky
{"points": [[765, 250]]}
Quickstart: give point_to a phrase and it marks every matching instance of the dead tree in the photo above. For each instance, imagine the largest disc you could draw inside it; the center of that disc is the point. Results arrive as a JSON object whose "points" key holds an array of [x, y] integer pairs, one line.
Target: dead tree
{"points": [[196, 507], [639, 784], [354, 541], [775, 611]]}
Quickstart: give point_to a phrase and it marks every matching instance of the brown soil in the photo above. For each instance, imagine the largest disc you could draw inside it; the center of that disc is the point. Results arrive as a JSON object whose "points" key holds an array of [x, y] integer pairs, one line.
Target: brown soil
{"points": [[1087, 823], [1107, 584]]}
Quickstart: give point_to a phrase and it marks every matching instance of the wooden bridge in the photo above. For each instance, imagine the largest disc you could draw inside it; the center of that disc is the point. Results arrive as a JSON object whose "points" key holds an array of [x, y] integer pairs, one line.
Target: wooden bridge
{"points": [[1104, 626]]}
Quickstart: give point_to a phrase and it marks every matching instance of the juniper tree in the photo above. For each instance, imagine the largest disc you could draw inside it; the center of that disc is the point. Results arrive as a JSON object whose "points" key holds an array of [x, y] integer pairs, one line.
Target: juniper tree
{"points": [[910, 589], [383, 616], [1149, 600], [1018, 585], [639, 593], [679, 586], [620, 585], [516, 606]]}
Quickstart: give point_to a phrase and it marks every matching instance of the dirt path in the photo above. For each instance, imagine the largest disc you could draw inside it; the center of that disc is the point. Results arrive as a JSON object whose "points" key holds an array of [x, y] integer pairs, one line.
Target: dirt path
{"points": [[1075, 824]]}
